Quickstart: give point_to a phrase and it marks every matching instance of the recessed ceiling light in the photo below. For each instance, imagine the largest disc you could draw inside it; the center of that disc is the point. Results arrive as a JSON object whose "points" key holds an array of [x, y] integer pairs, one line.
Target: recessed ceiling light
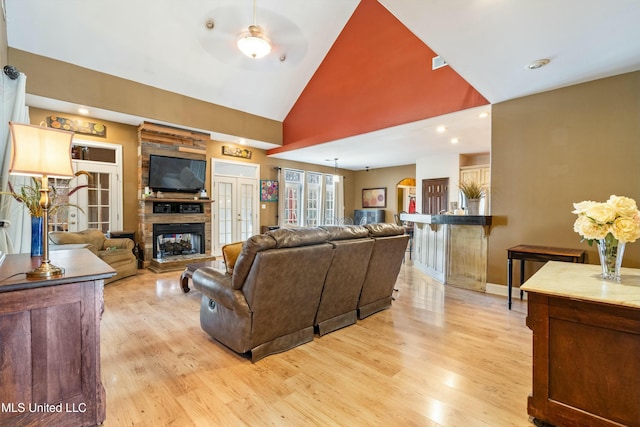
{"points": [[454, 140], [242, 141], [538, 63], [483, 115], [441, 129], [83, 110]]}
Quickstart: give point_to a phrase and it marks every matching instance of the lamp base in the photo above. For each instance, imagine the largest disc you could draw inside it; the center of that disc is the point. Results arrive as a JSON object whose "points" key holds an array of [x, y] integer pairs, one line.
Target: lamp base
{"points": [[45, 271]]}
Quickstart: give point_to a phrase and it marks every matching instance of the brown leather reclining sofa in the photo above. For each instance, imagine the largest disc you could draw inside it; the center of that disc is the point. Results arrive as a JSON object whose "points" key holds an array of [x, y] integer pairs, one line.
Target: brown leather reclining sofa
{"points": [[288, 282]]}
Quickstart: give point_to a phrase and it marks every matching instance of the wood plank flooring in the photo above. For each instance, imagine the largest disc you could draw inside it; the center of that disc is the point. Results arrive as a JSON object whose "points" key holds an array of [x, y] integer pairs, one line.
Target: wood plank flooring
{"points": [[441, 356]]}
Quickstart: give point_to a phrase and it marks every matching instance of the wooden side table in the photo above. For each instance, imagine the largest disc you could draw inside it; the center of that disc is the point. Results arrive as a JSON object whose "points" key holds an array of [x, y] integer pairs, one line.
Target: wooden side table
{"points": [[540, 254], [190, 269]]}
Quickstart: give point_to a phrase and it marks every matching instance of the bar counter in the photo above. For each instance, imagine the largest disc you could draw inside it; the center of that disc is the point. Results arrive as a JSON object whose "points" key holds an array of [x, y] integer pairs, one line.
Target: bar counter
{"points": [[452, 248]]}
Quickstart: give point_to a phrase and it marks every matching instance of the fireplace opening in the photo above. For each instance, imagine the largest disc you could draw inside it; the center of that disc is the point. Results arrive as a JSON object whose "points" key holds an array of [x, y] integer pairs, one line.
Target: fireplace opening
{"points": [[177, 239]]}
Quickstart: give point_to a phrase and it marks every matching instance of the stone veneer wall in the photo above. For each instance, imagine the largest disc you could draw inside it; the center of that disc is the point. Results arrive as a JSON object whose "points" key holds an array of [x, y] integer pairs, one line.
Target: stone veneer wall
{"points": [[167, 141]]}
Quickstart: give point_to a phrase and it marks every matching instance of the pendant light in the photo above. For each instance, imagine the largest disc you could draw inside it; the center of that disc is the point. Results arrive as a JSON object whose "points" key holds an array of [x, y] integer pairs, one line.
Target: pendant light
{"points": [[254, 43]]}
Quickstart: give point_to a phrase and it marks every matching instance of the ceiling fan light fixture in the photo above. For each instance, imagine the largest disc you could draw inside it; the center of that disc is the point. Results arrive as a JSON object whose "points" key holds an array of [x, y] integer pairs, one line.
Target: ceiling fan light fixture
{"points": [[254, 43], [538, 63]]}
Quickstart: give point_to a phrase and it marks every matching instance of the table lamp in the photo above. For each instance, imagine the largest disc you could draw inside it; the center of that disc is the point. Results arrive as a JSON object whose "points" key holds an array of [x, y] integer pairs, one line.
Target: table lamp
{"points": [[46, 153]]}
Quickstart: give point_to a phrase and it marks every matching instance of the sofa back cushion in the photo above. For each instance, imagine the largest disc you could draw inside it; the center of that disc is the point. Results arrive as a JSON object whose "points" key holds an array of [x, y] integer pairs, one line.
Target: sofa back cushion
{"points": [[91, 236], [345, 277], [253, 245], [344, 232], [384, 229], [283, 289], [298, 236], [384, 266]]}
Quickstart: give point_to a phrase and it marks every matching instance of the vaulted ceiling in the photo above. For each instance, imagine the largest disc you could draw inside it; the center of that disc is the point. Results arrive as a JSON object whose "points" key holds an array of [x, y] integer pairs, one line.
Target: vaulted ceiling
{"points": [[363, 59]]}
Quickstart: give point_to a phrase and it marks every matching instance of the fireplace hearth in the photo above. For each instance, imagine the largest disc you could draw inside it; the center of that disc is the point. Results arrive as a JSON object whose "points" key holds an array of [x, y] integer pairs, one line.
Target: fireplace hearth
{"points": [[173, 240]]}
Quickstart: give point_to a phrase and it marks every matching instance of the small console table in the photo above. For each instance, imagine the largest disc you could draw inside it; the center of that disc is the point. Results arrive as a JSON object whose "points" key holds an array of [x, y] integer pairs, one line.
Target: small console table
{"points": [[540, 254]]}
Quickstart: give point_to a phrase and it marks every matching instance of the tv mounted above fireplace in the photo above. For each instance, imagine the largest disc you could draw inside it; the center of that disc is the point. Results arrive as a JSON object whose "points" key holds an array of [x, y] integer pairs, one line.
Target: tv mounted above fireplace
{"points": [[176, 174]]}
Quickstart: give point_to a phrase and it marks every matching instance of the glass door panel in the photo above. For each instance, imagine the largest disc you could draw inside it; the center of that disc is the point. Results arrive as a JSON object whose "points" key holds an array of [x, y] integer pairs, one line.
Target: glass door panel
{"points": [[235, 192]]}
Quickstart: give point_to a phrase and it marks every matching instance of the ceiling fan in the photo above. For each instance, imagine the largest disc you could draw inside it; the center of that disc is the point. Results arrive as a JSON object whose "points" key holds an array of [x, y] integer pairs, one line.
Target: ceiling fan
{"points": [[221, 30]]}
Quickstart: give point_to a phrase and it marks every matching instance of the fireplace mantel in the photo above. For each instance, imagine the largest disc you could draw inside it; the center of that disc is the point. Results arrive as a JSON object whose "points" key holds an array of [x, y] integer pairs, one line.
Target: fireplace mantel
{"points": [[175, 200]]}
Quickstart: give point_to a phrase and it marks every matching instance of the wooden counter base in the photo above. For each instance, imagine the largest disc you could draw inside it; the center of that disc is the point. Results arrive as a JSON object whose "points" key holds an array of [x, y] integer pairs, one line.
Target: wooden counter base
{"points": [[586, 369], [50, 342]]}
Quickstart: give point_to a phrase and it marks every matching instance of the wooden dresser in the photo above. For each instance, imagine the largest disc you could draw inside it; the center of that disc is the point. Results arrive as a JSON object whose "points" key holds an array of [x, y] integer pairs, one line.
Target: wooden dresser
{"points": [[50, 341], [586, 346]]}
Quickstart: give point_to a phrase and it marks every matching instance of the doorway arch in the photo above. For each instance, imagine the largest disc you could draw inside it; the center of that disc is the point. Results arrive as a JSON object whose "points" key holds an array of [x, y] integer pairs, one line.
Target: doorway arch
{"points": [[406, 191]]}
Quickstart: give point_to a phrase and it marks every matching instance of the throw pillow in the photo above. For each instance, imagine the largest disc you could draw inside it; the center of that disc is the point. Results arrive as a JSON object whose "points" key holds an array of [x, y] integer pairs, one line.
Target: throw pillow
{"points": [[230, 254]]}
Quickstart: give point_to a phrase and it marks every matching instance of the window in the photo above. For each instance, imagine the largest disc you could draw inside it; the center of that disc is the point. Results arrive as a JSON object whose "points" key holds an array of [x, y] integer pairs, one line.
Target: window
{"points": [[311, 199], [329, 201], [314, 187], [293, 180]]}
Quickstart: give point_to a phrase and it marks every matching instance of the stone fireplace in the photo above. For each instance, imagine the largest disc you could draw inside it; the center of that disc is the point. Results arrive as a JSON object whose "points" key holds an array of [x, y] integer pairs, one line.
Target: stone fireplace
{"points": [[174, 229]]}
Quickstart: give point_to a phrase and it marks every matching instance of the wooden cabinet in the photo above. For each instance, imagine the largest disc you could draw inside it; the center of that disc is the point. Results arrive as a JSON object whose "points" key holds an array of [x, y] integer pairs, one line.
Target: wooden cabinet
{"points": [[482, 175], [586, 342], [50, 341]]}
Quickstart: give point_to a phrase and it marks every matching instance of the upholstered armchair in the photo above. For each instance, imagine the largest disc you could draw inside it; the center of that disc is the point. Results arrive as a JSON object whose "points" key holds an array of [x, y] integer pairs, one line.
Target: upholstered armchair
{"points": [[117, 252]]}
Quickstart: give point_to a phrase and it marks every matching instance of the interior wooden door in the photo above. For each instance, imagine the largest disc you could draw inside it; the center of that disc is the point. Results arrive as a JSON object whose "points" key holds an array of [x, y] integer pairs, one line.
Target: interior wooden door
{"points": [[435, 195]]}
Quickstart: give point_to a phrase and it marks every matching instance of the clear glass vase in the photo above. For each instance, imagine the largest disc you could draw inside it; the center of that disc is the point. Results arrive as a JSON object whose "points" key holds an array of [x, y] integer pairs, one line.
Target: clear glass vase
{"points": [[611, 252]]}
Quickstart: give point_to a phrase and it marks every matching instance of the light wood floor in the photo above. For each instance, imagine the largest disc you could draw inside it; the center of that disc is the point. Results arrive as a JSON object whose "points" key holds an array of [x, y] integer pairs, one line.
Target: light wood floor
{"points": [[441, 356]]}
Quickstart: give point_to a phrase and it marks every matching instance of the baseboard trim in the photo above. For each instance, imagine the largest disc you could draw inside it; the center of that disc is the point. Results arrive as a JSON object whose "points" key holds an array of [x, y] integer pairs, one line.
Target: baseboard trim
{"points": [[495, 289]]}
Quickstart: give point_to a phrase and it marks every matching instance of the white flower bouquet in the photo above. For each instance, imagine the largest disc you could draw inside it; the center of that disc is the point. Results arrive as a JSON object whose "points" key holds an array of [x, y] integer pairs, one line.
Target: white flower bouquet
{"points": [[619, 216]]}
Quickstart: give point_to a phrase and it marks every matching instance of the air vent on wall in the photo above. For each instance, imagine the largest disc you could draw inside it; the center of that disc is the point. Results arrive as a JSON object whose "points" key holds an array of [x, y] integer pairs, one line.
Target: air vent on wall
{"points": [[438, 62]]}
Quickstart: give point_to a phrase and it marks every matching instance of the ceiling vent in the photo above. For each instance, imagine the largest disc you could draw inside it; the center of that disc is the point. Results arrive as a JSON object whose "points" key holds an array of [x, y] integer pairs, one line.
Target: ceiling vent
{"points": [[438, 62]]}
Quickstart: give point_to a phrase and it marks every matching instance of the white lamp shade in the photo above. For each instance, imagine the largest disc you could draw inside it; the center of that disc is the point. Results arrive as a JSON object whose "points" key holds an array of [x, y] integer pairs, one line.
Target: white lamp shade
{"points": [[254, 43], [39, 151]]}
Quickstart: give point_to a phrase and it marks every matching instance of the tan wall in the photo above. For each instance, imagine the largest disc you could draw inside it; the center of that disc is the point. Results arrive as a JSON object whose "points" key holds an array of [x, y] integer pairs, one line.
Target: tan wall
{"points": [[268, 170], [383, 177], [556, 148], [117, 133], [127, 136], [62, 81]]}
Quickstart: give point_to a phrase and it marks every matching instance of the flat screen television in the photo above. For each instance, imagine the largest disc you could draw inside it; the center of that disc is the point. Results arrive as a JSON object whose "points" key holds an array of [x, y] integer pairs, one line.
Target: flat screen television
{"points": [[176, 174]]}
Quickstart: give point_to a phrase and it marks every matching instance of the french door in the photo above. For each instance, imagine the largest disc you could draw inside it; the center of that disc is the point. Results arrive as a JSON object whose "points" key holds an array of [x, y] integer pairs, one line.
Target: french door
{"points": [[95, 201], [98, 203], [235, 190]]}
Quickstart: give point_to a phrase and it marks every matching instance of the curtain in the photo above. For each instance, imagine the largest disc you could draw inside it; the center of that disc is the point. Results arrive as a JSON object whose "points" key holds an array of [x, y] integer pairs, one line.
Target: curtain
{"points": [[17, 237]]}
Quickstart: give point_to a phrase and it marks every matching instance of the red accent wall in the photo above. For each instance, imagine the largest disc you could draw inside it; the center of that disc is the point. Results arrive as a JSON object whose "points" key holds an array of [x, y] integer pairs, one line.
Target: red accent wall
{"points": [[376, 75]]}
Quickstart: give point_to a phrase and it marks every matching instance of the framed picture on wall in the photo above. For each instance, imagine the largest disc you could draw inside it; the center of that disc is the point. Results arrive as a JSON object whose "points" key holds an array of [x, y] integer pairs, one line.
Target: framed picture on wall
{"points": [[374, 197], [268, 190]]}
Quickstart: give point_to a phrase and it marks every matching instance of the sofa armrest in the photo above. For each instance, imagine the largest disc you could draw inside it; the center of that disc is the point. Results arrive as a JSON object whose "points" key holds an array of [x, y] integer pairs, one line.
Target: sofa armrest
{"points": [[118, 243], [216, 285]]}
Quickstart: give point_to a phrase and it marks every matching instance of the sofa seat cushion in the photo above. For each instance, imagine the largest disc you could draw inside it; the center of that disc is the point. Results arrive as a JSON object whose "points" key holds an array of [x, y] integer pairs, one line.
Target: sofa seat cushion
{"points": [[112, 256]]}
